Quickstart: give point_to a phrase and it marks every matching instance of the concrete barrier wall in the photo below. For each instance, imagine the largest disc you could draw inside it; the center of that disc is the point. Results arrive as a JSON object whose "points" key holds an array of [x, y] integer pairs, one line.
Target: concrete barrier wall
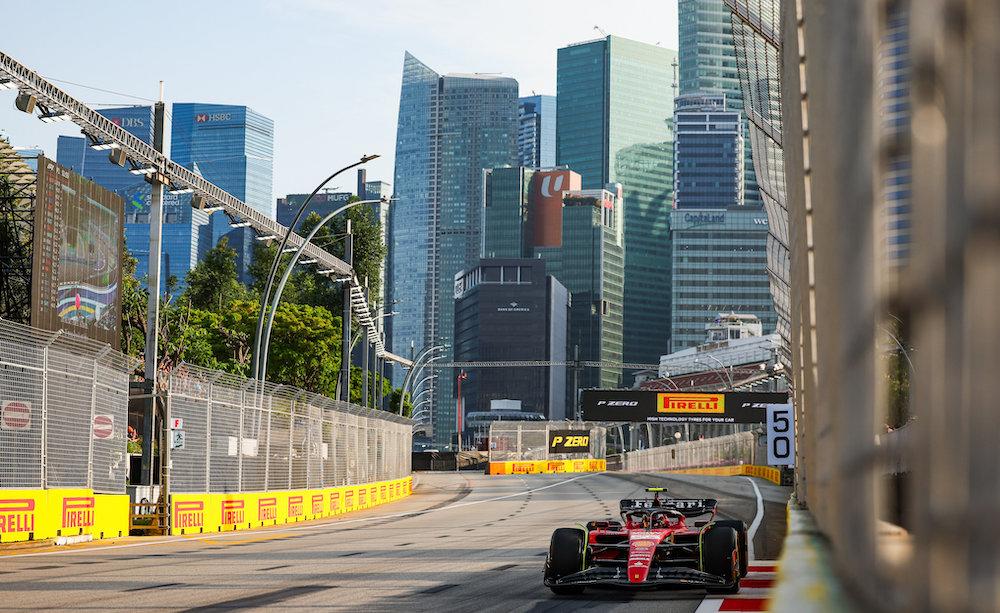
{"points": [[27, 515], [532, 467], [748, 470], [203, 513]]}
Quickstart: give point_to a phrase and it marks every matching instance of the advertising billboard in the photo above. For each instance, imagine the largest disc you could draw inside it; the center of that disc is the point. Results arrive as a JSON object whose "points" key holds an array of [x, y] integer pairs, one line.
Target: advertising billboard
{"points": [[76, 262], [569, 441], [688, 407], [545, 208]]}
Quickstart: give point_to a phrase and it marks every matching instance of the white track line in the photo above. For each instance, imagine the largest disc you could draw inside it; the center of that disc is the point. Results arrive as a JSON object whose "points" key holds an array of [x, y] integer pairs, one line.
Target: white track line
{"points": [[287, 528], [758, 518]]}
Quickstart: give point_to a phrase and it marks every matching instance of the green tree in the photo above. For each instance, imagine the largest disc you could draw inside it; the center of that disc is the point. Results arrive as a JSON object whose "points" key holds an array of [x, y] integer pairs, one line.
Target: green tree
{"points": [[134, 300], [212, 284]]}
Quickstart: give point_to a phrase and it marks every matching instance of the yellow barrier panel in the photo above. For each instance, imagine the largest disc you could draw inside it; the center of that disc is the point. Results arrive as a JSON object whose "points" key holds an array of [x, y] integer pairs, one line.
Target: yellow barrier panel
{"points": [[748, 470], [27, 515], [202, 513], [536, 467]]}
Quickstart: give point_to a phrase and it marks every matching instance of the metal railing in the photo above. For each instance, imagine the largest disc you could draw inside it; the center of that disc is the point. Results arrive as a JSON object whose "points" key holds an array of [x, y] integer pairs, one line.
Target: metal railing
{"points": [[729, 450], [519, 441], [63, 411], [241, 435]]}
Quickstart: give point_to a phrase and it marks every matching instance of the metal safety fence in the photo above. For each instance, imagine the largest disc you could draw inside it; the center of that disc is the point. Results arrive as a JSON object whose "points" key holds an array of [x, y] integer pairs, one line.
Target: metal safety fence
{"points": [[63, 411], [241, 435], [729, 450], [520, 441]]}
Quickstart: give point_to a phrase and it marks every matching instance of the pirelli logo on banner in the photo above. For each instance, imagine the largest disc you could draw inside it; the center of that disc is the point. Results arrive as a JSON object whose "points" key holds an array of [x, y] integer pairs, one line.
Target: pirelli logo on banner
{"points": [[232, 512], [267, 509], [317, 504], [690, 403], [78, 512], [17, 515], [295, 506], [189, 514]]}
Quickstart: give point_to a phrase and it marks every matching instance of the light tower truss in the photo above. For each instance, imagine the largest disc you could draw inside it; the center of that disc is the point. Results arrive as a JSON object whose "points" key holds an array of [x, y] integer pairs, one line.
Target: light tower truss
{"points": [[103, 134]]}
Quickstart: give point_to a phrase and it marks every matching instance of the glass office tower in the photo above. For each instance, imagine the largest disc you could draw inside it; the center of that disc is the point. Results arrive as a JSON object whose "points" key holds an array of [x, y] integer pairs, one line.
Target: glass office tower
{"points": [[233, 147], [708, 64], [450, 129], [614, 106], [184, 236], [708, 153], [536, 133]]}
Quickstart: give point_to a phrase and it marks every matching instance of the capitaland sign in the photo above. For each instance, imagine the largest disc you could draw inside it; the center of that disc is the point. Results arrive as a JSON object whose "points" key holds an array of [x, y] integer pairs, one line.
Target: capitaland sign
{"points": [[691, 407], [699, 218]]}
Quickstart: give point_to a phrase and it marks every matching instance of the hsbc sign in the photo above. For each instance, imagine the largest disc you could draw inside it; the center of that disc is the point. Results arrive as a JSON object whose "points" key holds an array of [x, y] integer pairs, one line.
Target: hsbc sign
{"points": [[210, 117]]}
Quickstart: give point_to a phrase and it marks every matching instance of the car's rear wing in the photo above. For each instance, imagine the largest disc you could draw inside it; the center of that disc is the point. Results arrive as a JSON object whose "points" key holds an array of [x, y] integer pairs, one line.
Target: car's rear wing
{"points": [[688, 507]]}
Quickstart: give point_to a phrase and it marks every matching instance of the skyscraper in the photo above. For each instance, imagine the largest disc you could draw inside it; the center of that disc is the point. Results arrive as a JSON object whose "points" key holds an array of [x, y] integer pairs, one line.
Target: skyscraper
{"points": [[708, 64], [536, 132], [450, 129], [233, 147], [614, 104], [708, 153], [322, 204], [185, 236]]}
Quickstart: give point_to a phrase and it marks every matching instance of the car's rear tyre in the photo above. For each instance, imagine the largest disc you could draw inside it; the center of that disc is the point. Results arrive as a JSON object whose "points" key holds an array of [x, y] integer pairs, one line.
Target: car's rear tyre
{"points": [[721, 557], [566, 554], [741, 539]]}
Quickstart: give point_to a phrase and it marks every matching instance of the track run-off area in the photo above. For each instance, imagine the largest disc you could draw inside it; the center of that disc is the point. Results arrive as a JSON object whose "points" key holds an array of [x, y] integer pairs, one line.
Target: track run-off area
{"points": [[461, 542]]}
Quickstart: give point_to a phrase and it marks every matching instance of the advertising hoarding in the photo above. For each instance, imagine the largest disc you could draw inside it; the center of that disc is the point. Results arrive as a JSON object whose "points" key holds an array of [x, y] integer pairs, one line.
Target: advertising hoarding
{"points": [[76, 261], [686, 407], [569, 441]]}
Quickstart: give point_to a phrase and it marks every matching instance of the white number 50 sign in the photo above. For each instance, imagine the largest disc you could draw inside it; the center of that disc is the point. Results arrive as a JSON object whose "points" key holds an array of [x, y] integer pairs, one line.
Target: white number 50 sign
{"points": [[780, 435]]}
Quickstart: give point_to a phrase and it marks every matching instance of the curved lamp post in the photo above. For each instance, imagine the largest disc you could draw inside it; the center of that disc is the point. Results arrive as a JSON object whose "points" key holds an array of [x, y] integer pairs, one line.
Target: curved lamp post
{"points": [[257, 371], [414, 370], [723, 366], [262, 374]]}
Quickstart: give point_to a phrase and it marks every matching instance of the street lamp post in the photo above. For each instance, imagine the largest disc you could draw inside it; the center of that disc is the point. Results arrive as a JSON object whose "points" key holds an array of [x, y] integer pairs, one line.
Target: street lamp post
{"points": [[414, 370], [262, 374], [258, 372], [721, 365]]}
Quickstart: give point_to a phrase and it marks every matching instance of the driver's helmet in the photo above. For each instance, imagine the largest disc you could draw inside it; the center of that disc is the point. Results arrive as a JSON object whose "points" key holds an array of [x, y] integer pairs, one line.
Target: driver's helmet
{"points": [[647, 520], [660, 520]]}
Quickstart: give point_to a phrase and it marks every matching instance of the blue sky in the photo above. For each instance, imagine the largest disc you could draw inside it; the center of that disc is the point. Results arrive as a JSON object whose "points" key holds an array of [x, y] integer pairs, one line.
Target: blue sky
{"points": [[326, 71]]}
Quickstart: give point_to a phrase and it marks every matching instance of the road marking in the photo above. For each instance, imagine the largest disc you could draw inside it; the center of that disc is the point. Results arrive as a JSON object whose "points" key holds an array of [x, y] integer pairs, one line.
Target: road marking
{"points": [[758, 518], [334, 523]]}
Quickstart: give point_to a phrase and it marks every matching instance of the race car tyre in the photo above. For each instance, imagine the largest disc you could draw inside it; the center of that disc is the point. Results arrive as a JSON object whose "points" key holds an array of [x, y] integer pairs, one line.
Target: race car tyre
{"points": [[741, 535], [565, 558], [720, 550]]}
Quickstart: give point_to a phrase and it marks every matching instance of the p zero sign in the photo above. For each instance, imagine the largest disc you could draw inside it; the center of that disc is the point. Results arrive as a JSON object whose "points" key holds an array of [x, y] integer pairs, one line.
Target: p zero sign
{"points": [[569, 441], [686, 407]]}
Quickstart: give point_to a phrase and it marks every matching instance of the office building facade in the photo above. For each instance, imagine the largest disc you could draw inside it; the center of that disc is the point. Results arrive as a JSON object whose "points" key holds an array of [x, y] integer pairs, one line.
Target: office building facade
{"points": [[536, 132], [614, 106], [450, 128], [708, 63], [186, 233], [708, 153], [233, 147], [719, 266], [510, 309]]}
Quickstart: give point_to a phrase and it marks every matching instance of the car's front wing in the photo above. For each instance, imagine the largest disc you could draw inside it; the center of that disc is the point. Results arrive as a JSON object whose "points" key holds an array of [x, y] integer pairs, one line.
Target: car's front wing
{"points": [[659, 576]]}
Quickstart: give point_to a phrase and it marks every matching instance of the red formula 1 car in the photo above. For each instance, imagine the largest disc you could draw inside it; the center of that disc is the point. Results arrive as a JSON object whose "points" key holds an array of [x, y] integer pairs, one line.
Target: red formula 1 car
{"points": [[660, 542]]}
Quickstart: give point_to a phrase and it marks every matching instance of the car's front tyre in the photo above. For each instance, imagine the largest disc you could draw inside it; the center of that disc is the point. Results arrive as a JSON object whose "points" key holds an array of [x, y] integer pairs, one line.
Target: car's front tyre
{"points": [[566, 556], [721, 557]]}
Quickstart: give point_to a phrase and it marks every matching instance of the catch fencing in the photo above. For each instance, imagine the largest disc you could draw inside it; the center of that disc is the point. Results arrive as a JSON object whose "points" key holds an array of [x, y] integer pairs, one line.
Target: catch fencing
{"points": [[63, 411], [729, 450], [241, 435], [521, 441]]}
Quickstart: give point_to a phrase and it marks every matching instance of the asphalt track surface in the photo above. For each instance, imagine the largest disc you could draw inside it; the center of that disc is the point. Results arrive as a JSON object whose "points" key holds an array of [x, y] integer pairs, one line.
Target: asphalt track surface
{"points": [[462, 542]]}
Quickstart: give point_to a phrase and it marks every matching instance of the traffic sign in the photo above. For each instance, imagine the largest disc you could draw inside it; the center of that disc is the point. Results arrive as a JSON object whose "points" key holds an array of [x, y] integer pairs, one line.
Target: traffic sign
{"points": [[780, 435], [15, 415], [176, 423], [104, 426], [177, 439]]}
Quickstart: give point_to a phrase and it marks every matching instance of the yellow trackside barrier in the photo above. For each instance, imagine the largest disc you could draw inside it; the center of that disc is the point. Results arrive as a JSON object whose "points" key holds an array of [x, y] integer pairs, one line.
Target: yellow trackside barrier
{"points": [[31, 515], [201, 513], [534, 467], [748, 470]]}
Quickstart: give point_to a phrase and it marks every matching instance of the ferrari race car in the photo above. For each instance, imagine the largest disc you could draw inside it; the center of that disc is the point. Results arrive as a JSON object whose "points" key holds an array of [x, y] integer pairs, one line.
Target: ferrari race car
{"points": [[660, 542]]}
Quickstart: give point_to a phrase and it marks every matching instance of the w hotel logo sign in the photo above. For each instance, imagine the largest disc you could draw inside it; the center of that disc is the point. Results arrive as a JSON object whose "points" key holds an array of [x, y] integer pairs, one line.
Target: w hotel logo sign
{"points": [[691, 403], [17, 515]]}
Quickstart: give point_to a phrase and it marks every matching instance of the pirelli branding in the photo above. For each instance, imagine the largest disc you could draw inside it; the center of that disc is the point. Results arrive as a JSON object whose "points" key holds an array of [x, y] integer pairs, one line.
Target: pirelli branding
{"points": [[295, 506], [690, 403], [267, 509], [232, 512], [189, 514], [317, 504], [17, 515], [78, 512], [569, 441]]}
